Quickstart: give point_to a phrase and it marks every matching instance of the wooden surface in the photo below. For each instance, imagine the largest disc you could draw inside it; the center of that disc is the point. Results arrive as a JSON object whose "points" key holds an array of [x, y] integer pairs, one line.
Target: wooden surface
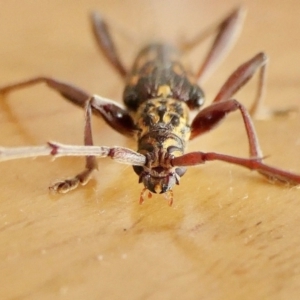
{"points": [[230, 233]]}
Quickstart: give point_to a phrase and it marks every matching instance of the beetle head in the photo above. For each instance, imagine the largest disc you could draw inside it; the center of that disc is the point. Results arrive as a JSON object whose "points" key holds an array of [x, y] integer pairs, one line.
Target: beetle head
{"points": [[158, 180]]}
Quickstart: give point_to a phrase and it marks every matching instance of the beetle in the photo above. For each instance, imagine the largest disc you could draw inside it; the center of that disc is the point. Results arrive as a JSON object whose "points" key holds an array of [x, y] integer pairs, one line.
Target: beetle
{"points": [[159, 94]]}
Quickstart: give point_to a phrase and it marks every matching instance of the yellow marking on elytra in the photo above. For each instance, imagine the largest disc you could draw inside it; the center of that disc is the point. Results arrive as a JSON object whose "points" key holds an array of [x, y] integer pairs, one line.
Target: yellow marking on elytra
{"points": [[164, 91]]}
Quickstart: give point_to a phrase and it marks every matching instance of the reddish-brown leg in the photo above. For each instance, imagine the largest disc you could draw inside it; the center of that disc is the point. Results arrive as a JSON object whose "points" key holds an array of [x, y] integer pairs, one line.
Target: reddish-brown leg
{"points": [[97, 103], [211, 116], [241, 76], [90, 165], [106, 44], [71, 92], [196, 158], [113, 113], [227, 31]]}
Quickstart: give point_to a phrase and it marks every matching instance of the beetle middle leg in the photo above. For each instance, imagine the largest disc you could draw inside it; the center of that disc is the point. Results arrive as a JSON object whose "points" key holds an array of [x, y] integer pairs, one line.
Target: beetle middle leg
{"points": [[113, 113], [241, 76], [72, 93]]}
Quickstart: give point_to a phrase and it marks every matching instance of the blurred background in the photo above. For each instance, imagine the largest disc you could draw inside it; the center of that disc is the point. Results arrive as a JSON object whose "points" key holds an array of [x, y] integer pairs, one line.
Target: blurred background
{"points": [[230, 233]]}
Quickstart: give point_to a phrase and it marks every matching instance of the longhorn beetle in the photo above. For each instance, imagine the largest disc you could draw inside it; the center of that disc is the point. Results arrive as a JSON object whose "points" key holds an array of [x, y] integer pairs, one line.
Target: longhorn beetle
{"points": [[158, 96]]}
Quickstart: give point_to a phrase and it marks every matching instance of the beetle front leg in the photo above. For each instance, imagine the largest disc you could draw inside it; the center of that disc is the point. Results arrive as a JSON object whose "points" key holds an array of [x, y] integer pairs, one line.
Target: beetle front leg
{"points": [[272, 173], [83, 177], [91, 163], [212, 115]]}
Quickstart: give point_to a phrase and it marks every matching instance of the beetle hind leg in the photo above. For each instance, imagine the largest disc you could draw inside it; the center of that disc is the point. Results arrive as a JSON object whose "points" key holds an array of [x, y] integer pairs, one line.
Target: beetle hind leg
{"points": [[226, 32], [106, 43]]}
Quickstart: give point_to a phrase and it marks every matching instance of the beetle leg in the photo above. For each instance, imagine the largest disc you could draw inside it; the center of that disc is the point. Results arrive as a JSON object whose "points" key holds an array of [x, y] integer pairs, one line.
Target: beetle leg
{"points": [[67, 90], [211, 116], [227, 31], [196, 158], [82, 178], [110, 111], [106, 44], [90, 163], [113, 113], [241, 76]]}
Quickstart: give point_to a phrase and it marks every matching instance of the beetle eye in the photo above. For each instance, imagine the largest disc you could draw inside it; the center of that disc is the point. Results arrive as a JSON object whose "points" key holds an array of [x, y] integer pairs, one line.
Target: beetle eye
{"points": [[131, 98], [175, 120], [196, 98], [138, 169]]}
